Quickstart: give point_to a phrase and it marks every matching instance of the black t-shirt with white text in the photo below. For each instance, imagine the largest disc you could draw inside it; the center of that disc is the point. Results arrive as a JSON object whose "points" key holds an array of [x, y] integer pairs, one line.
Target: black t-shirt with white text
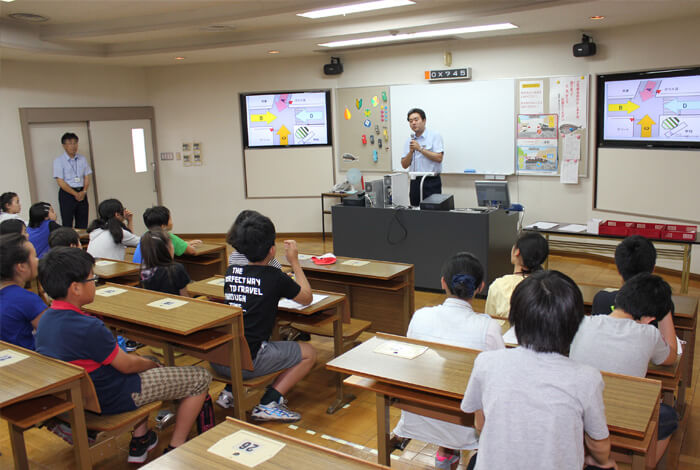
{"points": [[169, 280], [257, 290]]}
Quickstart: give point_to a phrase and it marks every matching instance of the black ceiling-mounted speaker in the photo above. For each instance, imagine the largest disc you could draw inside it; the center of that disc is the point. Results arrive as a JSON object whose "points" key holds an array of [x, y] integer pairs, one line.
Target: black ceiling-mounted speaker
{"points": [[334, 68], [585, 48]]}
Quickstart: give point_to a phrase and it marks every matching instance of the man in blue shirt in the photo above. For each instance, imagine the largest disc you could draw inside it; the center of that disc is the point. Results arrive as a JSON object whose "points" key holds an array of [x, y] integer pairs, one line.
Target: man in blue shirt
{"points": [[71, 171], [423, 152]]}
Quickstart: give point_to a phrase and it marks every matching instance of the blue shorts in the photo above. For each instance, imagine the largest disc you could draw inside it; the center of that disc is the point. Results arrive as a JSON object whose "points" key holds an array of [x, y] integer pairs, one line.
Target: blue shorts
{"points": [[272, 356], [668, 421]]}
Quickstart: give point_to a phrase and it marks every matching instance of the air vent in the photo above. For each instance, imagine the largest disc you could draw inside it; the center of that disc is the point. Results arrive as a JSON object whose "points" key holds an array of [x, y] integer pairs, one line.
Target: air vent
{"points": [[28, 17]]}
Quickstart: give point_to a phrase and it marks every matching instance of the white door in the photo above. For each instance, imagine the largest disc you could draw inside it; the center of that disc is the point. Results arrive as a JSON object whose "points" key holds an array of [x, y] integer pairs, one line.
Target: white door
{"points": [[46, 146], [119, 171]]}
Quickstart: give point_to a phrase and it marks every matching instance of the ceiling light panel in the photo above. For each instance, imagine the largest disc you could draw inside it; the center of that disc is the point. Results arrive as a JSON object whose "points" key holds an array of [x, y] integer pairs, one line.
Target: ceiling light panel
{"points": [[356, 8]]}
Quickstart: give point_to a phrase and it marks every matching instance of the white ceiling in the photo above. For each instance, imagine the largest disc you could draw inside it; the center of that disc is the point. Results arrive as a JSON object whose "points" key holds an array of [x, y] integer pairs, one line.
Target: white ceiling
{"points": [[154, 32]]}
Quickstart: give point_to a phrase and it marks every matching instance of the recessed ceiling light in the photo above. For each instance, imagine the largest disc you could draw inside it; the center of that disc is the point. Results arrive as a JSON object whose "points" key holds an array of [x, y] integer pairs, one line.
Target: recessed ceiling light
{"points": [[179, 58], [356, 8], [273, 52], [8, 1], [597, 17], [29, 17], [419, 35]]}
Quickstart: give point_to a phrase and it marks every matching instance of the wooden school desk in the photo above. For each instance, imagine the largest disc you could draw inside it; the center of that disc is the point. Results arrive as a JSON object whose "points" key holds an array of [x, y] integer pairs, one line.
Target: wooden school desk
{"points": [[296, 453], [119, 272], [209, 259], [685, 319], [202, 329], [379, 291], [433, 384], [330, 309], [36, 376], [665, 249]]}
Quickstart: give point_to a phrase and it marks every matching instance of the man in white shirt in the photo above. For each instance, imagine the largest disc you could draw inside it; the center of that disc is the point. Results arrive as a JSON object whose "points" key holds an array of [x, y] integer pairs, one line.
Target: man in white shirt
{"points": [[71, 171], [423, 152]]}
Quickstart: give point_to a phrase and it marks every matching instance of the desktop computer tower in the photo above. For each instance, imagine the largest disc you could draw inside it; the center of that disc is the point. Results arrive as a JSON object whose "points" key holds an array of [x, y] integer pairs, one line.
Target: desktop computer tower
{"points": [[375, 192], [396, 187]]}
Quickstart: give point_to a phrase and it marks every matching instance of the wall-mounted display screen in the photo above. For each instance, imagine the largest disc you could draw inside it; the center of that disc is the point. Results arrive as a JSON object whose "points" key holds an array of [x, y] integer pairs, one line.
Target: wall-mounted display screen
{"points": [[286, 119], [652, 109]]}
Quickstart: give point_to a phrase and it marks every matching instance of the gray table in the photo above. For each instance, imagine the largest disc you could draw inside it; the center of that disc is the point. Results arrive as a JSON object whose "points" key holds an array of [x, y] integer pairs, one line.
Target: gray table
{"points": [[426, 239]]}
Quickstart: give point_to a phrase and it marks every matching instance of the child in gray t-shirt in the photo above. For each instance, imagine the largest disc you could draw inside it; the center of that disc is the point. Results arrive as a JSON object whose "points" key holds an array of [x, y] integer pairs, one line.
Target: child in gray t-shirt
{"points": [[624, 342], [535, 407]]}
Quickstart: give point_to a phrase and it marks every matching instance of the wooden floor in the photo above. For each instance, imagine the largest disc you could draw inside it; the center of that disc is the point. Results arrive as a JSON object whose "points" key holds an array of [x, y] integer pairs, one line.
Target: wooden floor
{"points": [[353, 429]]}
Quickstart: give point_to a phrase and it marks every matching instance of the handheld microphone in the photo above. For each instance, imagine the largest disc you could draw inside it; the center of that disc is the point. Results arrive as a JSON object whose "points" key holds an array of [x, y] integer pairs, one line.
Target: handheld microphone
{"points": [[413, 136]]}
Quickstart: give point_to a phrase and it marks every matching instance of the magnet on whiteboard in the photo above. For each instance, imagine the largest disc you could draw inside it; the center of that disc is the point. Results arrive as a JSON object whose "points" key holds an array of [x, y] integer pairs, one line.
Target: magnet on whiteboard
{"points": [[371, 139], [364, 139], [375, 156], [379, 143]]}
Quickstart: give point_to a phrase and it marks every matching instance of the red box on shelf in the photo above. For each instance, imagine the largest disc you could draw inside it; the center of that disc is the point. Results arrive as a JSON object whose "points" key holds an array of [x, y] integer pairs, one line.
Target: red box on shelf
{"points": [[680, 232], [646, 229], [615, 227]]}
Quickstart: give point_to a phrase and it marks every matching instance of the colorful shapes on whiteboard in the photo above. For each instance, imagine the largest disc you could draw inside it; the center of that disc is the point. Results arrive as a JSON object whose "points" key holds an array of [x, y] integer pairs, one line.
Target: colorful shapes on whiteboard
{"points": [[375, 101], [384, 96], [375, 156], [385, 133], [367, 123], [348, 114], [371, 139], [358, 103], [368, 112], [379, 143], [364, 139]]}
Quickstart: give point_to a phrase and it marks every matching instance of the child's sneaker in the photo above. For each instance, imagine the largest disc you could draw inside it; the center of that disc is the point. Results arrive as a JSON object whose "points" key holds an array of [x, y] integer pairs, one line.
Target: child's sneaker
{"points": [[139, 447], [275, 411], [225, 399]]}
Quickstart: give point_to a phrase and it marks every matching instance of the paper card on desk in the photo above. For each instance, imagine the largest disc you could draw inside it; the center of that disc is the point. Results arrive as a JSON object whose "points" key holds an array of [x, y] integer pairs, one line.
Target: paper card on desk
{"points": [[355, 262], [288, 303], [104, 262], [574, 228], [109, 291], [217, 282], [403, 350], [8, 356], [246, 448], [509, 336], [542, 225], [303, 257], [167, 303]]}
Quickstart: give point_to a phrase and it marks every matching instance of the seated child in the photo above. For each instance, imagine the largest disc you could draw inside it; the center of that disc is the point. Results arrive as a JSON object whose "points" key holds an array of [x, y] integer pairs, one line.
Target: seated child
{"points": [[13, 226], [20, 309], [535, 407], [633, 255], [624, 342], [454, 322], [9, 206], [236, 257], [159, 217], [123, 382], [109, 237], [159, 271], [64, 236], [42, 221], [257, 288], [527, 256]]}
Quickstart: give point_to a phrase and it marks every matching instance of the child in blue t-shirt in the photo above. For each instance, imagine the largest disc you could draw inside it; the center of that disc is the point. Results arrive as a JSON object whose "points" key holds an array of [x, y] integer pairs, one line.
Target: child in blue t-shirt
{"points": [[20, 309], [123, 382], [42, 221]]}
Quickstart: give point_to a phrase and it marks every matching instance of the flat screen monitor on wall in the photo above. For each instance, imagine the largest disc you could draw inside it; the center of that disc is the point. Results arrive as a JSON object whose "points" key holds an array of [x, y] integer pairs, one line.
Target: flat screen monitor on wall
{"points": [[649, 109], [286, 119]]}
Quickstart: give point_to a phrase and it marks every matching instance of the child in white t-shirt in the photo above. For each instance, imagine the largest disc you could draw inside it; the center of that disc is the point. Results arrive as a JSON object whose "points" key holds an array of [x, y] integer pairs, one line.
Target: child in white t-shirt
{"points": [[109, 236], [455, 323], [535, 407], [527, 255]]}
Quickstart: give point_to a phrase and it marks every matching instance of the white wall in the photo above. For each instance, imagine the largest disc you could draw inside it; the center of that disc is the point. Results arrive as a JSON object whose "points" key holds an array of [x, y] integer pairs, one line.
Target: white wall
{"points": [[29, 84], [200, 102]]}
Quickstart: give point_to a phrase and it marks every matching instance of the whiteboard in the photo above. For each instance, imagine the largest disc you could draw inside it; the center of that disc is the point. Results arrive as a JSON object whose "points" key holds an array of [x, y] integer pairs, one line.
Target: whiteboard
{"points": [[475, 119]]}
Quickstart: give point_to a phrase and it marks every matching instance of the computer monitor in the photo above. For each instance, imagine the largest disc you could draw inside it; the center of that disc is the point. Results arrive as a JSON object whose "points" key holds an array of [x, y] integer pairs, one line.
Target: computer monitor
{"points": [[492, 194]]}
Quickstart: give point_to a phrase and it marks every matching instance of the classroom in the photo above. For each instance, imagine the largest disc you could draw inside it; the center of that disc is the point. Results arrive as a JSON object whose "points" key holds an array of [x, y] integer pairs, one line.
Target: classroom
{"points": [[93, 55]]}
